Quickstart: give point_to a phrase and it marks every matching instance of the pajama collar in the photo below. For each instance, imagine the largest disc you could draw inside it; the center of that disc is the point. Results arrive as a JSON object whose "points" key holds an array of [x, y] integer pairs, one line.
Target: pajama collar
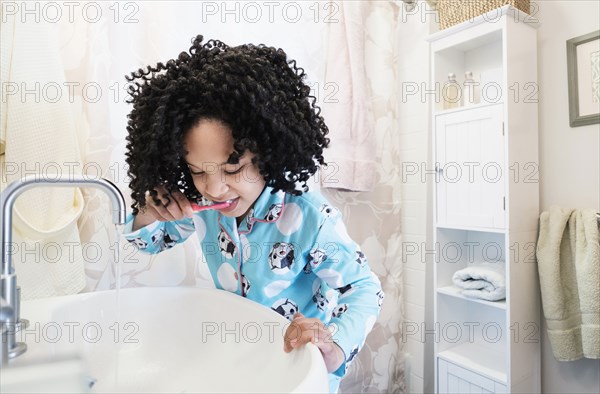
{"points": [[268, 208]]}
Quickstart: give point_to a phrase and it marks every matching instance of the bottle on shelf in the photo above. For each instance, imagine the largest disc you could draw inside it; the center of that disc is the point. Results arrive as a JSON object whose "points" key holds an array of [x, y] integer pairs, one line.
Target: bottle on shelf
{"points": [[470, 93], [451, 93]]}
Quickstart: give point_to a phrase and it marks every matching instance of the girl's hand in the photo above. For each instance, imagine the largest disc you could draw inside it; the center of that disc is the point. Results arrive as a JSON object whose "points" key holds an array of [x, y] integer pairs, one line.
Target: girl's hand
{"points": [[303, 330], [166, 208]]}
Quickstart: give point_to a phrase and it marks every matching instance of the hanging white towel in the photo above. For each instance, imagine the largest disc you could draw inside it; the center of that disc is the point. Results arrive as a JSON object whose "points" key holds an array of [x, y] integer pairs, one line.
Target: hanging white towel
{"points": [[482, 280], [41, 139], [568, 253], [587, 263]]}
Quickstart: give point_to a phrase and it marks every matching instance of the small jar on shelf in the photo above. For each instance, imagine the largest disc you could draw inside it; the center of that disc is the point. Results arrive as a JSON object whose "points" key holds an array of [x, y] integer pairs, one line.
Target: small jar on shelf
{"points": [[451, 93], [470, 90]]}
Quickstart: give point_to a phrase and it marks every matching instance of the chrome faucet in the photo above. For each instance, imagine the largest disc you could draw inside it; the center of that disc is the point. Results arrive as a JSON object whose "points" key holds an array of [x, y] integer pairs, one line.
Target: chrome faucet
{"points": [[5, 314], [10, 293]]}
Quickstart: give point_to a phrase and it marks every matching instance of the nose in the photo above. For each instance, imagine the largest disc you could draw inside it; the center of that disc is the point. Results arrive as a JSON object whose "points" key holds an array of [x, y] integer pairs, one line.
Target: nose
{"points": [[215, 186]]}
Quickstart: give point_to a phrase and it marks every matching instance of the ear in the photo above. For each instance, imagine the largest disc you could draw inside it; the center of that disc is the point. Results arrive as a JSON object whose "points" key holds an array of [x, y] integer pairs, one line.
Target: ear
{"points": [[289, 259]]}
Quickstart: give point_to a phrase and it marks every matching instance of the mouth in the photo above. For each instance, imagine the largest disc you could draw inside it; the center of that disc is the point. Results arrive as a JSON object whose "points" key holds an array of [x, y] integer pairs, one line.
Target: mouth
{"points": [[230, 201], [227, 205], [224, 206]]}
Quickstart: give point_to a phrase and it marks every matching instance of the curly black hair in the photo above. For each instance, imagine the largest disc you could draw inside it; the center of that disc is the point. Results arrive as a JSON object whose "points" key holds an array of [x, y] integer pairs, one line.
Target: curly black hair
{"points": [[253, 89]]}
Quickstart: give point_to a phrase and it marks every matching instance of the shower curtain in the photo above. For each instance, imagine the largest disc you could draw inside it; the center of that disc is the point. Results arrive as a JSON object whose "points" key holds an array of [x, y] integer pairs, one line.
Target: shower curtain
{"points": [[373, 217], [97, 56]]}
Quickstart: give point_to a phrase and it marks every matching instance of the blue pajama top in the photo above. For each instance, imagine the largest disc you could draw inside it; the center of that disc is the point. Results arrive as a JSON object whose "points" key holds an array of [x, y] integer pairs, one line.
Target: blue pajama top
{"points": [[291, 254]]}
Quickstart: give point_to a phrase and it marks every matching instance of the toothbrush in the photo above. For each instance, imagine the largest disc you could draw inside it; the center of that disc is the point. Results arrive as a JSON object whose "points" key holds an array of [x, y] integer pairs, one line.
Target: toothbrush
{"points": [[218, 205]]}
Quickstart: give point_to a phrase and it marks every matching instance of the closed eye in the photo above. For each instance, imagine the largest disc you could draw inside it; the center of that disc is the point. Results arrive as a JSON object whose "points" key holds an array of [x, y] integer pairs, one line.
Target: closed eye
{"points": [[199, 173], [235, 171]]}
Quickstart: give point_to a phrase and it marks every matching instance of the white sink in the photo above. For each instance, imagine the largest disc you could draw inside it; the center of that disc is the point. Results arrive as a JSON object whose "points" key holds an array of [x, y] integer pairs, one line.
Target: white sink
{"points": [[173, 340]]}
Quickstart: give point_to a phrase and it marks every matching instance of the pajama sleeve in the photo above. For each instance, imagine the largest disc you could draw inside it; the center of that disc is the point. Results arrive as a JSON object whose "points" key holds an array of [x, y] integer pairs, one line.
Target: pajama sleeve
{"points": [[345, 269], [158, 236]]}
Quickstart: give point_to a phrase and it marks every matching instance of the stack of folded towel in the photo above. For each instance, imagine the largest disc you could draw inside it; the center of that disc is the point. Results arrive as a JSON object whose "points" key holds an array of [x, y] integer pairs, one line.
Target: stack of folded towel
{"points": [[482, 280]]}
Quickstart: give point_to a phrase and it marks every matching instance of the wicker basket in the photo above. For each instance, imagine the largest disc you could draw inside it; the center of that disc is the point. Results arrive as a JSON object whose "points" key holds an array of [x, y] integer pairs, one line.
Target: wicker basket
{"points": [[452, 12]]}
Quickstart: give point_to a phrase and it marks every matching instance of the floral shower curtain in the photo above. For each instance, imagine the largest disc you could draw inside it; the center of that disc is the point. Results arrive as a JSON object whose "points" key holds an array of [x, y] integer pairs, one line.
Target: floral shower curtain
{"points": [[98, 54], [373, 217]]}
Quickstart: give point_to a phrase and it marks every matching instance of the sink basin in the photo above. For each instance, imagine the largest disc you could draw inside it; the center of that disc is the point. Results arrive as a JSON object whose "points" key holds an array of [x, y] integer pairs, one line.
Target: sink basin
{"points": [[177, 339]]}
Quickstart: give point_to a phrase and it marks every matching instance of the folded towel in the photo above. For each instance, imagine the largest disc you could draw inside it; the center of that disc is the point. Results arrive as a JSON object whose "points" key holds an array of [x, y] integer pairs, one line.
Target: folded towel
{"points": [[568, 265], [482, 280]]}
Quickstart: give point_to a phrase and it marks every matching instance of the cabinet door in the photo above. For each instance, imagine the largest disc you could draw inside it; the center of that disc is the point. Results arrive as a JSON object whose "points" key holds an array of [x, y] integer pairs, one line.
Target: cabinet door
{"points": [[454, 379], [470, 168]]}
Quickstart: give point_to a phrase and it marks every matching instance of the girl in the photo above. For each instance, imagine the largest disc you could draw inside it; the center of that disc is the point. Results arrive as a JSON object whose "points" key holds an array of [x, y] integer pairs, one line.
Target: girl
{"points": [[237, 126]]}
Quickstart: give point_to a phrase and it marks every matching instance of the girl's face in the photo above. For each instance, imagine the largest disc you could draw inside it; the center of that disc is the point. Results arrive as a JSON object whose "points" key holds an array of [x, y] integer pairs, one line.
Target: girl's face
{"points": [[209, 144]]}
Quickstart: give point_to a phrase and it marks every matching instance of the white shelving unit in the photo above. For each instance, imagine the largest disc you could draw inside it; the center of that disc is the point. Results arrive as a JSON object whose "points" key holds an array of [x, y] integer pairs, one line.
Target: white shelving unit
{"points": [[486, 205]]}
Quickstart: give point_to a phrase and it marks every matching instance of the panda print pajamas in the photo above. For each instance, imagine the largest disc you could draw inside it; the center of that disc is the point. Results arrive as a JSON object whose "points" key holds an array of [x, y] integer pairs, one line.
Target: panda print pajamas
{"points": [[291, 254]]}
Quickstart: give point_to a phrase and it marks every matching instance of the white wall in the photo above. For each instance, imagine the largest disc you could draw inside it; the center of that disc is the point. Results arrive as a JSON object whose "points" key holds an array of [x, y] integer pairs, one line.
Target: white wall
{"points": [[413, 127], [569, 158]]}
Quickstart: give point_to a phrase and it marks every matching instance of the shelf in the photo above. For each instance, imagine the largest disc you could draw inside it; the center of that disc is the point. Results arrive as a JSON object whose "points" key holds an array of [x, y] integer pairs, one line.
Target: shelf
{"points": [[479, 212], [454, 291], [514, 14], [467, 228], [478, 359], [463, 108]]}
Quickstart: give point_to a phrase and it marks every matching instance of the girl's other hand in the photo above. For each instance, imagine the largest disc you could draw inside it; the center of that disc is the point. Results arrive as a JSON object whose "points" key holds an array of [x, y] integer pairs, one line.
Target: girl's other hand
{"points": [[304, 330]]}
